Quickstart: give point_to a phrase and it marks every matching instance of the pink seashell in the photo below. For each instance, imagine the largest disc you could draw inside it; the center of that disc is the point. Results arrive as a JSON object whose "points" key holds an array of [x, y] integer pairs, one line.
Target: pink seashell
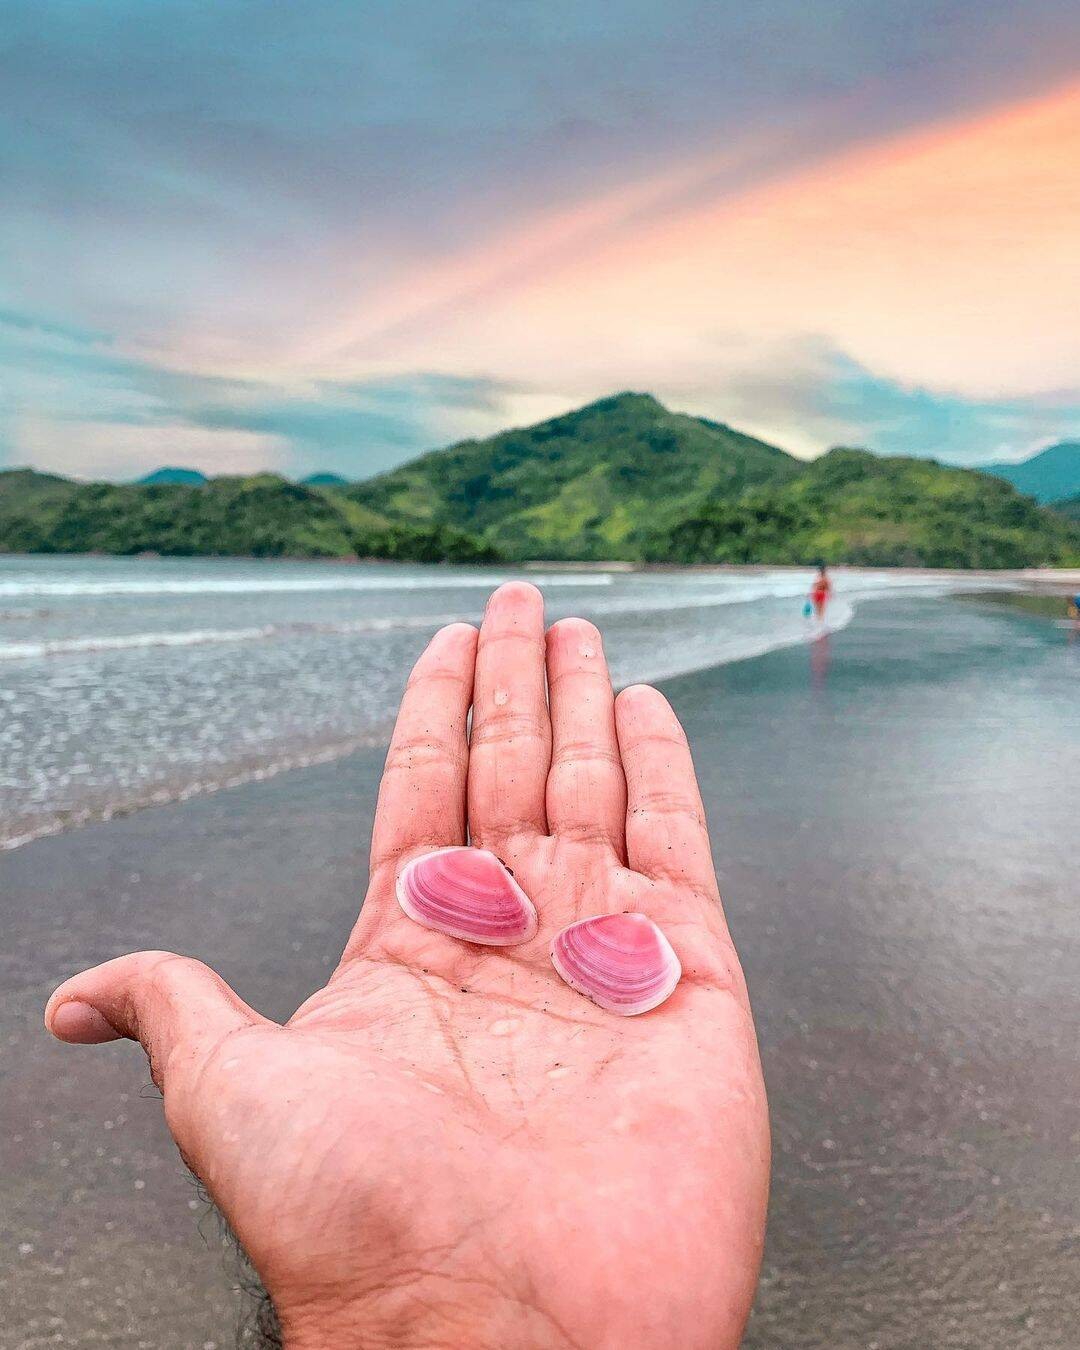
{"points": [[623, 962], [466, 893]]}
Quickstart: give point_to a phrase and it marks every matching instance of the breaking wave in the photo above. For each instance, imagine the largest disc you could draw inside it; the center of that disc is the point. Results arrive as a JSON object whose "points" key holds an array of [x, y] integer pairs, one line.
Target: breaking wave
{"points": [[292, 585], [198, 637]]}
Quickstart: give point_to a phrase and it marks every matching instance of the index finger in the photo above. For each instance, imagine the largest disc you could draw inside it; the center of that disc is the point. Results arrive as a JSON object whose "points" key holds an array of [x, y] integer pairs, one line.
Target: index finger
{"points": [[422, 794]]}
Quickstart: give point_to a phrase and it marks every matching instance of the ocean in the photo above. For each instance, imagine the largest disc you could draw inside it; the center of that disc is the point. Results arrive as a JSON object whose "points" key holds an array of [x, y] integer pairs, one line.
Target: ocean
{"points": [[129, 682]]}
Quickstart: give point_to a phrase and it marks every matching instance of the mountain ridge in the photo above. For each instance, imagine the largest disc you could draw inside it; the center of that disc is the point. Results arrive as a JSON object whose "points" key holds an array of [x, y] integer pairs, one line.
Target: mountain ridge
{"points": [[853, 506], [324, 480], [1050, 475], [620, 479], [174, 474], [588, 484], [261, 516]]}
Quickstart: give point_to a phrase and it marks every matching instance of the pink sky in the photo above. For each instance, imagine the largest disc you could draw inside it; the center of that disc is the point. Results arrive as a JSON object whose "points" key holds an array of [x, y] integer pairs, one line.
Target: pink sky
{"points": [[330, 237], [947, 258]]}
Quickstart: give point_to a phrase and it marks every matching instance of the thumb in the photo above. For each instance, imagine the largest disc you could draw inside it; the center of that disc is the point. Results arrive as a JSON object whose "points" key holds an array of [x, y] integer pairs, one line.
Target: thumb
{"points": [[178, 1009]]}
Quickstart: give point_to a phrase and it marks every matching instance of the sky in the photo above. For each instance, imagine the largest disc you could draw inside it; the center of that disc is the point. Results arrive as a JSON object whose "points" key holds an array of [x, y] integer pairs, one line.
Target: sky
{"points": [[327, 237]]}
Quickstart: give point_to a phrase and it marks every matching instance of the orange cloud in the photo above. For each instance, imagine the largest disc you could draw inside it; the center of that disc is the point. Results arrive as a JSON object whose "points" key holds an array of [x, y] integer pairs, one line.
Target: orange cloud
{"points": [[948, 257]]}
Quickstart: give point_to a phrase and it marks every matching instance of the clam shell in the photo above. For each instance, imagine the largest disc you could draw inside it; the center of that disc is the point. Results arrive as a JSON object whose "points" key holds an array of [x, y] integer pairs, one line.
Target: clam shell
{"points": [[623, 962], [466, 893]]}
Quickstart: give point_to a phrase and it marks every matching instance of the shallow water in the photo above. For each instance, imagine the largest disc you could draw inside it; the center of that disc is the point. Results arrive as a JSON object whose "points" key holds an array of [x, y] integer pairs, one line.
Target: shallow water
{"points": [[894, 835], [130, 681]]}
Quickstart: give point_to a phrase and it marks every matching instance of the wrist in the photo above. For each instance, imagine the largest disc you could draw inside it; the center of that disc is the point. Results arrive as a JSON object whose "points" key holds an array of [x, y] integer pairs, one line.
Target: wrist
{"points": [[416, 1315]]}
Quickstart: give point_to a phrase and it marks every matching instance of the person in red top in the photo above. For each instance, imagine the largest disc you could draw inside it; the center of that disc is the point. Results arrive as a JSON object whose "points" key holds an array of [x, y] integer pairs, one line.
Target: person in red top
{"points": [[820, 591]]}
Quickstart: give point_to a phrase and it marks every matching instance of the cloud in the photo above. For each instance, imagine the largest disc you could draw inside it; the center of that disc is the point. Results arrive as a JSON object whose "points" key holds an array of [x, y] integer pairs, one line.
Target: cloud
{"points": [[80, 406], [345, 234], [225, 179], [941, 260], [358, 427], [76, 403], [807, 396], [122, 450]]}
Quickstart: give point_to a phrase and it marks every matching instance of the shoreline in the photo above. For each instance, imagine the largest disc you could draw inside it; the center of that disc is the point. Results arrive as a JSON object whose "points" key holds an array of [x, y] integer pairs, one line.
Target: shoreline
{"points": [[105, 804], [1068, 576], [1037, 603], [80, 818], [286, 762]]}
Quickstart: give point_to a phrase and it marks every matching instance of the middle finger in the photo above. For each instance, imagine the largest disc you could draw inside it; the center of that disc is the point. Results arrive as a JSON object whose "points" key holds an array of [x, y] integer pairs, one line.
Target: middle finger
{"points": [[510, 746]]}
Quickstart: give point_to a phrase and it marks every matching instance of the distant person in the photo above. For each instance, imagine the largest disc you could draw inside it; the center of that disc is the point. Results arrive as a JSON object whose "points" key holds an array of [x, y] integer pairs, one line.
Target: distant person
{"points": [[1074, 607], [820, 592]]}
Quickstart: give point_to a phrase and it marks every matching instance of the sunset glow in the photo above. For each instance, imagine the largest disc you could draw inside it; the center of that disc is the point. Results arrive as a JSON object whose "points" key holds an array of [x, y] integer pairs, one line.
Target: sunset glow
{"points": [[892, 261]]}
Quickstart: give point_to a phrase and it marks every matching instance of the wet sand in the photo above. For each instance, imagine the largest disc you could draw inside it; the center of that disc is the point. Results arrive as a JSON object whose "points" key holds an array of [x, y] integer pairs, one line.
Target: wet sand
{"points": [[894, 824]]}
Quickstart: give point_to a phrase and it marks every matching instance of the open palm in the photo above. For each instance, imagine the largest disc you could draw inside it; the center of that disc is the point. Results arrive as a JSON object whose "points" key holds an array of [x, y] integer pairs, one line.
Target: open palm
{"points": [[446, 1146]]}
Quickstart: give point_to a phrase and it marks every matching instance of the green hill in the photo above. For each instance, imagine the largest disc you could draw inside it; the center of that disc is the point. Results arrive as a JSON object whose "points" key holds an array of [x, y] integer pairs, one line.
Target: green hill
{"points": [[851, 506], [622, 478], [1052, 475], [594, 484], [324, 480], [260, 516], [625, 478], [189, 477], [1069, 508]]}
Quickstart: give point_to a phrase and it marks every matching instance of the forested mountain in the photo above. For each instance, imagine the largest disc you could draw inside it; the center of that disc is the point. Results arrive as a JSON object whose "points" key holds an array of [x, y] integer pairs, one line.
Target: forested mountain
{"points": [[595, 483], [625, 478], [262, 516], [854, 507], [171, 474], [622, 478], [324, 480]]}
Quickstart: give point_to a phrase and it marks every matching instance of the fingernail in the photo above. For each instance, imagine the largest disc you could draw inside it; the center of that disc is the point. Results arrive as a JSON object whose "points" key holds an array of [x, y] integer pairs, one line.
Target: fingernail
{"points": [[80, 1024]]}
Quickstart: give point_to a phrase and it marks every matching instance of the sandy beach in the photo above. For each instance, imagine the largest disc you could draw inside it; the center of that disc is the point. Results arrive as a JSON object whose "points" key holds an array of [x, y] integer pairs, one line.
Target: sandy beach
{"points": [[893, 813]]}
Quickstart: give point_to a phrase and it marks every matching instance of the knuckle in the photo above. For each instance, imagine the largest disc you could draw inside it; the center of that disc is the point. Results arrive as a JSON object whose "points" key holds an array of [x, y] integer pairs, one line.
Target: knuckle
{"points": [[579, 831], [423, 752], [583, 676], [494, 636], [667, 802], [508, 724], [422, 679], [660, 744], [387, 858], [160, 976], [585, 754]]}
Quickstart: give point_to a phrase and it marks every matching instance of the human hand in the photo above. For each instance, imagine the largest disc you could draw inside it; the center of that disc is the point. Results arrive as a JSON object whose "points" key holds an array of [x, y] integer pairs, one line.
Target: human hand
{"points": [[447, 1146]]}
